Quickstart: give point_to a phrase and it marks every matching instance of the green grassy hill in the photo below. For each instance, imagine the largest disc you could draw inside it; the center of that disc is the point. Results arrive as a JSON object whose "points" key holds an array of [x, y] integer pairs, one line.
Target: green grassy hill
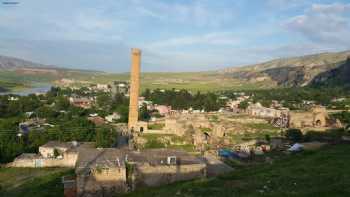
{"points": [[294, 71], [40, 182], [322, 173]]}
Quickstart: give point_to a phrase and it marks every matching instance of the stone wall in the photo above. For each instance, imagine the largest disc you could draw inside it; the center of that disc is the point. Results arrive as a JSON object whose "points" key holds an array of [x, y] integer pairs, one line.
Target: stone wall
{"points": [[49, 151], [102, 182], [173, 126], [68, 160], [317, 117], [147, 175]]}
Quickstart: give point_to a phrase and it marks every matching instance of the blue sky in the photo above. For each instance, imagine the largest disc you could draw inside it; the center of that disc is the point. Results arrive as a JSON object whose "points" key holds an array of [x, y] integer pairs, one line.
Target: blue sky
{"points": [[174, 35]]}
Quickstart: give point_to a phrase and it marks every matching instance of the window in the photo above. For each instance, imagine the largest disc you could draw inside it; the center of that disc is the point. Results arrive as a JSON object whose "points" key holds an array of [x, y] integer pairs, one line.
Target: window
{"points": [[171, 160]]}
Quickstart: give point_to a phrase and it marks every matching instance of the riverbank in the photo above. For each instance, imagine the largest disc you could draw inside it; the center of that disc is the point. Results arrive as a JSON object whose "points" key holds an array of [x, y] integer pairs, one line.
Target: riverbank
{"points": [[6, 86], [24, 90]]}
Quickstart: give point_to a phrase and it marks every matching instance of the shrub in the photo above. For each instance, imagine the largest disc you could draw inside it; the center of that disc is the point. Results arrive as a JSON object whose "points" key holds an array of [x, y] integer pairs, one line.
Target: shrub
{"points": [[267, 138], [154, 143], [295, 135]]}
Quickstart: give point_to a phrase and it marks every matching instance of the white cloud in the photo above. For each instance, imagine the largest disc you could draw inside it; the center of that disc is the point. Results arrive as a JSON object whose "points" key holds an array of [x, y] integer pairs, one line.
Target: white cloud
{"points": [[323, 23], [215, 38], [198, 13]]}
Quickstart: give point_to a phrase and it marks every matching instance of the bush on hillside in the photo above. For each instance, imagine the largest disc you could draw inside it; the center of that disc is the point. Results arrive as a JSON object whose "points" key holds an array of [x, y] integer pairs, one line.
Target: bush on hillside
{"points": [[295, 135]]}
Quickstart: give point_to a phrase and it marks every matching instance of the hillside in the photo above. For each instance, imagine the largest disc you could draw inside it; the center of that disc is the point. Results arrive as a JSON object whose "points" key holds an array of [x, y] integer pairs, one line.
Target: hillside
{"points": [[19, 71], [339, 76], [15, 72], [286, 72], [18, 182], [295, 71], [12, 63], [321, 173]]}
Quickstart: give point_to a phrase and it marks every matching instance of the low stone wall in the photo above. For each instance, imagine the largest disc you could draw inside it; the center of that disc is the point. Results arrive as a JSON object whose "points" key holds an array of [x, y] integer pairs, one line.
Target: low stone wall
{"points": [[147, 175], [149, 131], [22, 163], [68, 160], [104, 182]]}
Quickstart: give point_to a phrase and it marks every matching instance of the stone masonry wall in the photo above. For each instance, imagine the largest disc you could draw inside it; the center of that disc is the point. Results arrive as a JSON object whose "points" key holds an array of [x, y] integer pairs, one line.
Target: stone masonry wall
{"points": [[147, 175]]}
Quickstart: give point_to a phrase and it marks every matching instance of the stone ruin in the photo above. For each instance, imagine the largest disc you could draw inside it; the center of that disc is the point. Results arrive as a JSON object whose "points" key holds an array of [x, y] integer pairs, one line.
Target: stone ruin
{"points": [[316, 117]]}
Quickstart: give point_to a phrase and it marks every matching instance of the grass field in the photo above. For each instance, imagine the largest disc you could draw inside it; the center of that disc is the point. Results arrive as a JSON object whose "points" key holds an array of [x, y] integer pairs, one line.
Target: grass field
{"points": [[321, 173], [155, 141], [192, 81], [43, 182], [7, 86], [199, 81]]}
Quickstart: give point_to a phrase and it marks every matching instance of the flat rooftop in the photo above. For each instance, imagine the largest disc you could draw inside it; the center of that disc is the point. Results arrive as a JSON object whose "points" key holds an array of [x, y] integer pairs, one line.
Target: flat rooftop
{"points": [[159, 157]]}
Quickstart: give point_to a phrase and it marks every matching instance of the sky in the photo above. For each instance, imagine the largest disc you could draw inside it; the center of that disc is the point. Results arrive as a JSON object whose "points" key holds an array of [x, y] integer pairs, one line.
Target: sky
{"points": [[174, 35]]}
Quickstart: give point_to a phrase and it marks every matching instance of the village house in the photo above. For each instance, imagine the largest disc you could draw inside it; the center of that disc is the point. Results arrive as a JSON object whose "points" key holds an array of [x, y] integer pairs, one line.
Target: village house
{"points": [[120, 87], [258, 110], [233, 104], [66, 82], [113, 117], [162, 109], [142, 102], [51, 154], [85, 103], [97, 120], [31, 124], [13, 98], [102, 87], [100, 172]]}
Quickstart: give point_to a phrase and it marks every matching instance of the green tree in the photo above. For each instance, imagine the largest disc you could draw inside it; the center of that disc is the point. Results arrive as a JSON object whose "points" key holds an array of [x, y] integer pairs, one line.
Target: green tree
{"points": [[105, 137], [144, 114], [243, 105]]}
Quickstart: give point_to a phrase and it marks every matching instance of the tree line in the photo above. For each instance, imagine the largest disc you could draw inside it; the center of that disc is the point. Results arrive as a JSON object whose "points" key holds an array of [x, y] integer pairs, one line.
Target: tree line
{"points": [[183, 99]]}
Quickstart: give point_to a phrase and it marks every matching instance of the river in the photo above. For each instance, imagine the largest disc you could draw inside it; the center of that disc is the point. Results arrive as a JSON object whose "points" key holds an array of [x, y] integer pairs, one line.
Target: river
{"points": [[37, 88]]}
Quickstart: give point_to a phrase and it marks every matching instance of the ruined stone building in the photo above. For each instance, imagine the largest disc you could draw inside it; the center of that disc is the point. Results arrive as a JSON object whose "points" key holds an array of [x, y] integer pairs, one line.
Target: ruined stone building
{"points": [[263, 112], [154, 167], [100, 172], [316, 117]]}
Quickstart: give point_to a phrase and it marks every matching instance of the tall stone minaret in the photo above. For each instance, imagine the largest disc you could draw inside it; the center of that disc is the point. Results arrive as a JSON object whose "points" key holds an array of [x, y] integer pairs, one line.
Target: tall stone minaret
{"points": [[134, 87]]}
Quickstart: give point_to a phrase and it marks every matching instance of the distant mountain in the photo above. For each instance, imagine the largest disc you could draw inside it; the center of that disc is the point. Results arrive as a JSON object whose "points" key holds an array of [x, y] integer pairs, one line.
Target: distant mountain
{"points": [[13, 63], [295, 71], [16, 67], [339, 76]]}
